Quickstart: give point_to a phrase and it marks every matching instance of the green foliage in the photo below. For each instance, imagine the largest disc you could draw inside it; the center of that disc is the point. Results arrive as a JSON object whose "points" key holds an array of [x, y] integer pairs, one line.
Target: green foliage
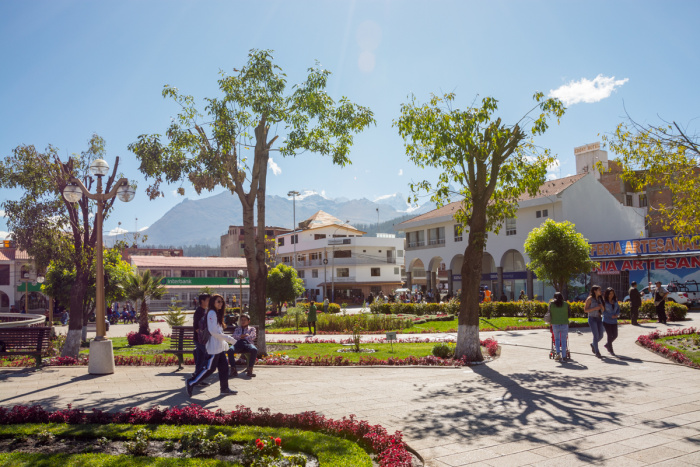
{"points": [[343, 323], [356, 335], [485, 163], [558, 252], [198, 444], [139, 445], [142, 286], [174, 316], [45, 437], [332, 307], [283, 284], [444, 349], [658, 157]]}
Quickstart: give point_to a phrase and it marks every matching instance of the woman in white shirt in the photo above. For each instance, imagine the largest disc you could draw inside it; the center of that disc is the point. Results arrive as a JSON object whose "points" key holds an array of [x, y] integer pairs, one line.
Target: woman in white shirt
{"points": [[217, 345]]}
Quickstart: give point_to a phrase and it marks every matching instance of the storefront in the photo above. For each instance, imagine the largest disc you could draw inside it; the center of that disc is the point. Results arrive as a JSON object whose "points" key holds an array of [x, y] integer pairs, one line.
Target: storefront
{"points": [[644, 260]]}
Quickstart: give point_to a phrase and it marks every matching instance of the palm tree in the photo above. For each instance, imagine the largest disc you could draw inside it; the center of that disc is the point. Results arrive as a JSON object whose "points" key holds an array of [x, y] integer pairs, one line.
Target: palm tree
{"points": [[143, 286]]}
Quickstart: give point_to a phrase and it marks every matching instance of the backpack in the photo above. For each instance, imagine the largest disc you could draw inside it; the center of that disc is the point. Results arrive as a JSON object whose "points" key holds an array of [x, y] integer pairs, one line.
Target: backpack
{"points": [[203, 335]]}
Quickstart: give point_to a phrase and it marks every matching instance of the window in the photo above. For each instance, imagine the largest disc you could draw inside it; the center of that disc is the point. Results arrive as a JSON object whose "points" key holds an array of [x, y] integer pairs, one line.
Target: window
{"points": [[187, 273], [510, 226], [300, 273], [396, 271], [436, 236], [285, 259], [295, 239], [399, 253], [314, 273], [342, 272], [416, 238], [545, 213], [538, 214], [319, 236], [628, 200], [375, 272], [643, 201], [280, 241], [458, 233], [342, 254]]}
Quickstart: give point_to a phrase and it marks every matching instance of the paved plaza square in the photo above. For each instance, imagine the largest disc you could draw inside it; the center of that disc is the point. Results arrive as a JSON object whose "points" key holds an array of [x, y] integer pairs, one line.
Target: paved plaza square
{"points": [[522, 409]]}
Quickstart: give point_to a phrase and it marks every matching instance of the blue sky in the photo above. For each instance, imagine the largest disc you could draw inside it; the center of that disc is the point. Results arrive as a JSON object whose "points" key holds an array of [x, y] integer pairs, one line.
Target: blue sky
{"points": [[73, 68]]}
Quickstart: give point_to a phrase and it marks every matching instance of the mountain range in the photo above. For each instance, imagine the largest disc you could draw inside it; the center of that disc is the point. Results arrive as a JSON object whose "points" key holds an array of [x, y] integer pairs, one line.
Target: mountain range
{"points": [[203, 221]]}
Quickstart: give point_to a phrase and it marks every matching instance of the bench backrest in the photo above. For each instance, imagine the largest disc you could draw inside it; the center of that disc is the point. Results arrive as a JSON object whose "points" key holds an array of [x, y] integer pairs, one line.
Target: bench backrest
{"points": [[182, 337], [21, 339]]}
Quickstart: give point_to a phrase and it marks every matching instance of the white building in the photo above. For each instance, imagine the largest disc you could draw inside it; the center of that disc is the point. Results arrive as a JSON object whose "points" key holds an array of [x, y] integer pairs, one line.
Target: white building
{"points": [[185, 276], [17, 280], [333, 256], [433, 241]]}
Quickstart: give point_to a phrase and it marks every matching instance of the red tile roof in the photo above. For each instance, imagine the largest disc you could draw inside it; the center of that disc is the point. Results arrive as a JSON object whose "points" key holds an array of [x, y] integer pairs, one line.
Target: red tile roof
{"points": [[187, 262], [548, 188]]}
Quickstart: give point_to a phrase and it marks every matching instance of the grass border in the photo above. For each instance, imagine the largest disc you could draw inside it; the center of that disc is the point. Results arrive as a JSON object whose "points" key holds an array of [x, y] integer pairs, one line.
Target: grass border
{"points": [[649, 341]]}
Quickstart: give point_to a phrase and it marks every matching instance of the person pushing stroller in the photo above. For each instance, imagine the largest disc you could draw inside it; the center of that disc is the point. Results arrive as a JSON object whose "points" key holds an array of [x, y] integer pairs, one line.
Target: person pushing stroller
{"points": [[559, 312]]}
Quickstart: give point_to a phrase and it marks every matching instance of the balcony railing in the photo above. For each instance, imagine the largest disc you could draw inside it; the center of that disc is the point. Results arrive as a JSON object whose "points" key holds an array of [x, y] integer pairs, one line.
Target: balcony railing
{"points": [[437, 241], [416, 244]]}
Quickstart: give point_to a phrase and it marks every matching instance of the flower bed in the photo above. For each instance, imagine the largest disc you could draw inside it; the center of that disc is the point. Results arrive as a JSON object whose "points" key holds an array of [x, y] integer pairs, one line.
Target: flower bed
{"points": [[390, 448], [154, 338], [649, 341]]}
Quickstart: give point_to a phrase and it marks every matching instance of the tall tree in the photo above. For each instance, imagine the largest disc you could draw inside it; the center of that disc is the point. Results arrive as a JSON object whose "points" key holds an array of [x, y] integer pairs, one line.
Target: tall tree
{"points": [[283, 285], [557, 253], [42, 215], [491, 164], [255, 103], [663, 156], [142, 286]]}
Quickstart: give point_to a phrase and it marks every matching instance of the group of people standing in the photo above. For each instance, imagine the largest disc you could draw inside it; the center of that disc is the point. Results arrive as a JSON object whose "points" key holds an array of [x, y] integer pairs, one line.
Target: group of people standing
{"points": [[218, 352], [603, 311]]}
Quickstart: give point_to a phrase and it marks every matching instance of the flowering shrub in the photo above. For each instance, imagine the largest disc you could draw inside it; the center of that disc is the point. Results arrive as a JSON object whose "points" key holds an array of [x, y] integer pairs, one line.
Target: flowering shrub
{"points": [[390, 448], [154, 338], [649, 341], [334, 323]]}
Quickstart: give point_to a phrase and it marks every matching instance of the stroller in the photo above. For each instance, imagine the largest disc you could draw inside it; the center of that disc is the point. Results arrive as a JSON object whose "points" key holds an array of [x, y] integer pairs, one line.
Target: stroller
{"points": [[553, 352]]}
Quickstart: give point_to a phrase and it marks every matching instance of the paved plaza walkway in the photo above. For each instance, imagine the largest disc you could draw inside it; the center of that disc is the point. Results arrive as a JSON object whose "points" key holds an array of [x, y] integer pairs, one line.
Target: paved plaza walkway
{"points": [[522, 409]]}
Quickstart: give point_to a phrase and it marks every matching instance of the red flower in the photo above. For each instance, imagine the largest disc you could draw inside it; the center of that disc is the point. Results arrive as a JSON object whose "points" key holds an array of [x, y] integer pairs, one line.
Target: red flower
{"points": [[278, 441]]}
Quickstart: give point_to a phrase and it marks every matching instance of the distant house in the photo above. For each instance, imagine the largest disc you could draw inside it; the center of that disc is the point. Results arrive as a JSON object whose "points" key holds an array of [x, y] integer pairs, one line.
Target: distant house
{"points": [[186, 276], [435, 242], [336, 260], [233, 242]]}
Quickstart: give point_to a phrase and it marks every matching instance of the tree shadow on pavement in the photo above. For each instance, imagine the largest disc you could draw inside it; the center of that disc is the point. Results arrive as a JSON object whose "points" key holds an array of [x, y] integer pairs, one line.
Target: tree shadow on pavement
{"points": [[533, 406]]}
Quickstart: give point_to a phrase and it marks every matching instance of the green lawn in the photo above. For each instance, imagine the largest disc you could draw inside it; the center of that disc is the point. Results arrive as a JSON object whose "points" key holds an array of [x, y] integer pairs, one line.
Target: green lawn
{"points": [[121, 347], [330, 450], [383, 351], [688, 345]]}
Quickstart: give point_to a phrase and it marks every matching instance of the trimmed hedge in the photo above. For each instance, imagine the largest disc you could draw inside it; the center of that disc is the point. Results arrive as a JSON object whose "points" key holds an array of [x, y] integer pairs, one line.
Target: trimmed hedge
{"points": [[530, 309], [332, 307]]}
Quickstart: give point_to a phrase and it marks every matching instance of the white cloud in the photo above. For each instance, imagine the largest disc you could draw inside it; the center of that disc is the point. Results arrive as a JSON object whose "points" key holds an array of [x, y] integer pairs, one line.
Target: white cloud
{"points": [[273, 165], [384, 197], [117, 231], [323, 194], [586, 90], [354, 178], [400, 172], [4, 235], [552, 176], [143, 228], [2, 213]]}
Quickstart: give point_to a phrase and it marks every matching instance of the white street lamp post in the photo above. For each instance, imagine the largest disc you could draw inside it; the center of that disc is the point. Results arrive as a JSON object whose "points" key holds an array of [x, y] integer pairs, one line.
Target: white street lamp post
{"points": [[294, 195], [333, 264], [101, 360], [240, 286]]}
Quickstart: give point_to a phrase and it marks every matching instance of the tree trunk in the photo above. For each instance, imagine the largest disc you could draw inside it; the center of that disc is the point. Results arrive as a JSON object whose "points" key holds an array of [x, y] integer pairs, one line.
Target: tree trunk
{"points": [[143, 318], [71, 348], [468, 343]]}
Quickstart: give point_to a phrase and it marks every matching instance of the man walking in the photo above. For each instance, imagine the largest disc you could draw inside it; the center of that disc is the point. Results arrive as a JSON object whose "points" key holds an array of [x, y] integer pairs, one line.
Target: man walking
{"points": [[635, 302]]}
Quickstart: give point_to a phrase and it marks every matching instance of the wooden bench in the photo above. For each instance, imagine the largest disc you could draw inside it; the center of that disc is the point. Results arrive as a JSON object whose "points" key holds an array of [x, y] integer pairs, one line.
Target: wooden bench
{"points": [[181, 341], [25, 341]]}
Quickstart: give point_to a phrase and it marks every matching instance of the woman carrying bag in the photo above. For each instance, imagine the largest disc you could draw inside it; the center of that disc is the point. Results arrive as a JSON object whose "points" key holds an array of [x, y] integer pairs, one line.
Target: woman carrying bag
{"points": [[559, 319], [610, 315], [594, 308], [217, 345]]}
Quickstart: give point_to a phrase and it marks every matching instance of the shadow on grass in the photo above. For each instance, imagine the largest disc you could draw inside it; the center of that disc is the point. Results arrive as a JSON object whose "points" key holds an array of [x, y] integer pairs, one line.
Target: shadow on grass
{"points": [[534, 407]]}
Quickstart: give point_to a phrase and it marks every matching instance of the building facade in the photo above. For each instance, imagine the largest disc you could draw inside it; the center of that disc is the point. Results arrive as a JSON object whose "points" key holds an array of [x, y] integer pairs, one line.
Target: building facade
{"points": [[233, 242], [436, 242], [17, 283], [186, 276], [335, 260], [127, 253]]}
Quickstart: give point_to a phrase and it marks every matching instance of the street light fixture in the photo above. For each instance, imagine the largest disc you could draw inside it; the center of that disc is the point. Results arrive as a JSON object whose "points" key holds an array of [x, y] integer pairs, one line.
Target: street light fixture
{"points": [[294, 195], [333, 263], [101, 360], [240, 286]]}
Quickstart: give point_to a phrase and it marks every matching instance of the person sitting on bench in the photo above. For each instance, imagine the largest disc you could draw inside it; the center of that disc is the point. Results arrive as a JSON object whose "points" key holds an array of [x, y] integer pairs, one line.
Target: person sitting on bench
{"points": [[245, 336]]}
